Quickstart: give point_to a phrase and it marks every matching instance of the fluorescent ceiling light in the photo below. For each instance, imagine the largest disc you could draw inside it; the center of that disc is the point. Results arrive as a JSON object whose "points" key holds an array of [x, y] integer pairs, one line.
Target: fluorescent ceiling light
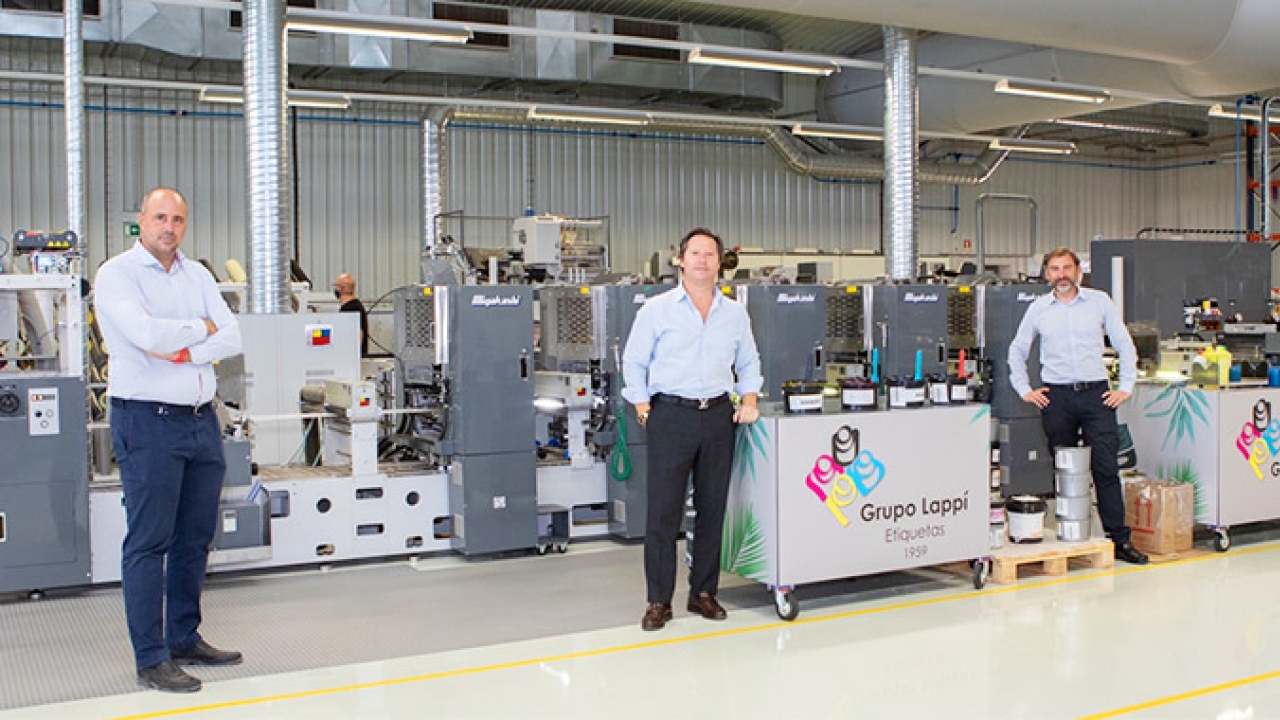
{"points": [[761, 60], [1121, 126], [300, 98], [359, 25], [1252, 113], [1046, 147], [1052, 91], [832, 130], [588, 115]]}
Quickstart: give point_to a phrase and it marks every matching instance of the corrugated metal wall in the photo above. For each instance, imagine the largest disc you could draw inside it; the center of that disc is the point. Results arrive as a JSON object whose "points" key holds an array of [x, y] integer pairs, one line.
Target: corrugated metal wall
{"points": [[359, 191]]}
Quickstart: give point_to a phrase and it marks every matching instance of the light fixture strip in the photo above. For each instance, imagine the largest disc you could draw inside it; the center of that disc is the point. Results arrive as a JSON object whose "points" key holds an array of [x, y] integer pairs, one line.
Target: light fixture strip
{"points": [[776, 61], [606, 116], [1052, 91], [375, 27], [841, 132], [295, 99], [1249, 113], [1045, 147]]}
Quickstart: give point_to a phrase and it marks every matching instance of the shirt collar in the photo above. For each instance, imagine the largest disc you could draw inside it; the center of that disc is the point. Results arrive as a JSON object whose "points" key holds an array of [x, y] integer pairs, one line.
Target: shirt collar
{"points": [[683, 295], [145, 258], [1080, 296]]}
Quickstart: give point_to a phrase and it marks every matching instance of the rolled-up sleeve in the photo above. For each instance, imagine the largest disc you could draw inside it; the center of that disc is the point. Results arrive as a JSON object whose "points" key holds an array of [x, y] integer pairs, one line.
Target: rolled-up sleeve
{"points": [[747, 361], [226, 341]]}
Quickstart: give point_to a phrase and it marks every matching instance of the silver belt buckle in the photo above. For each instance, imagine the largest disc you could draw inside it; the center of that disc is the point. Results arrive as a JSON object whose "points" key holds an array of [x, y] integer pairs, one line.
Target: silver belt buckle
{"points": [[702, 403]]}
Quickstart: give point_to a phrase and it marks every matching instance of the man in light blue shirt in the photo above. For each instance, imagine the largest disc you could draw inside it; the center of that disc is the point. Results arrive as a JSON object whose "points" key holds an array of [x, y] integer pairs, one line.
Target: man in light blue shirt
{"points": [[679, 369], [1077, 399], [165, 324]]}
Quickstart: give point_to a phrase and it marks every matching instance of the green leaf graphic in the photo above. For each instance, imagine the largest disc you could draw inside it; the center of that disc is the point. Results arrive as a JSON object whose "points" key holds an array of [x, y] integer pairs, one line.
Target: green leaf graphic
{"points": [[1184, 408], [743, 550], [750, 449]]}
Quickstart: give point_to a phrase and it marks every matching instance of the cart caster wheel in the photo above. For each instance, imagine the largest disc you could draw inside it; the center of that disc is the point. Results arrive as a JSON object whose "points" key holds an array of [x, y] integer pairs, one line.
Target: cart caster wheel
{"points": [[1221, 541], [786, 603], [562, 548], [980, 570]]}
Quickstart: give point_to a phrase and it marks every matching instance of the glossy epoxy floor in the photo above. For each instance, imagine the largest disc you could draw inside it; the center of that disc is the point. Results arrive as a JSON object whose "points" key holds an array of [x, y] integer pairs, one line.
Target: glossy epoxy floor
{"points": [[1197, 638]]}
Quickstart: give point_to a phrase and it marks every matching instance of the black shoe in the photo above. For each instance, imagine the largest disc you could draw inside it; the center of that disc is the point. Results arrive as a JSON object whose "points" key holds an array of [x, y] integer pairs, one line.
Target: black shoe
{"points": [[1130, 554], [202, 653], [168, 677]]}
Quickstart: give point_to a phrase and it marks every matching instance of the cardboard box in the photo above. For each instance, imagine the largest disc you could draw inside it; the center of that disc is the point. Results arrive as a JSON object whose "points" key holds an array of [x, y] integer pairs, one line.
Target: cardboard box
{"points": [[1161, 515]]}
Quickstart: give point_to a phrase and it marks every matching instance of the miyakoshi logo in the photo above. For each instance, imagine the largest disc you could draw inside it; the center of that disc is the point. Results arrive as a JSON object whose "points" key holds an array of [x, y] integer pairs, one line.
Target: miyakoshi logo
{"points": [[920, 297], [495, 300], [793, 298], [848, 473], [1027, 297]]}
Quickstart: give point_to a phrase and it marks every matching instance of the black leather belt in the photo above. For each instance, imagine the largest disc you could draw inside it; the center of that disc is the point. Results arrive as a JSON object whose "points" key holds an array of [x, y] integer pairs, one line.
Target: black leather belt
{"points": [[695, 403], [1082, 386], [159, 408]]}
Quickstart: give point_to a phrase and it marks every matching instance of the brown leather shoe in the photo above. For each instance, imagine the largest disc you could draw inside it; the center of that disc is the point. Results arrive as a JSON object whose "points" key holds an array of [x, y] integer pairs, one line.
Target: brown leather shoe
{"points": [[705, 605], [655, 616]]}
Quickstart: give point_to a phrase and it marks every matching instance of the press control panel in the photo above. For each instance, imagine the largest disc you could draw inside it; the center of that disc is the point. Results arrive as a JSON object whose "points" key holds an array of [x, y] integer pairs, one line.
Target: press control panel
{"points": [[42, 411]]}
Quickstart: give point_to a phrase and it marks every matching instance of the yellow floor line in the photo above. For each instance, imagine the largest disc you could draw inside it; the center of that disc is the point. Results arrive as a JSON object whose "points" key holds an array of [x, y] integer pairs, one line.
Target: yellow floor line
{"points": [[1169, 700], [740, 631]]}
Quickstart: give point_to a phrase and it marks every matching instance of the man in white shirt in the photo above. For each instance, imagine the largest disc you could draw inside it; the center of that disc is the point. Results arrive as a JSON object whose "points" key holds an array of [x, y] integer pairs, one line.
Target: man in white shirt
{"points": [[165, 324], [688, 350], [1076, 398]]}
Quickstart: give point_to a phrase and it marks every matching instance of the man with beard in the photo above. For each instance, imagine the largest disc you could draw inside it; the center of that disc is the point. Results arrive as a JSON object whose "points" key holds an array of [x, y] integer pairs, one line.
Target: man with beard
{"points": [[1076, 397]]}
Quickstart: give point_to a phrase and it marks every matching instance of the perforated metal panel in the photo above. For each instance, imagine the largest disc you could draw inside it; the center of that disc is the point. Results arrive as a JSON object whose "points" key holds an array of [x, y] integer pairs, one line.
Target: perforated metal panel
{"points": [[962, 314], [844, 322], [420, 325], [567, 340]]}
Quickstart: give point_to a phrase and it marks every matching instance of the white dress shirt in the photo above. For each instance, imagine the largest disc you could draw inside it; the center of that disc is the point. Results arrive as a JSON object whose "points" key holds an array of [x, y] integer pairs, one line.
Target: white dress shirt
{"points": [[142, 308], [671, 350], [1071, 341]]}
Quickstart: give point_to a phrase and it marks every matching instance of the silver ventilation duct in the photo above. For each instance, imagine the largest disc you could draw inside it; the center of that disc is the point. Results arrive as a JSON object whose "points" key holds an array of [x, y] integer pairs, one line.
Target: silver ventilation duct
{"points": [[267, 132], [73, 117], [901, 163], [795, 154], [433, 130]]}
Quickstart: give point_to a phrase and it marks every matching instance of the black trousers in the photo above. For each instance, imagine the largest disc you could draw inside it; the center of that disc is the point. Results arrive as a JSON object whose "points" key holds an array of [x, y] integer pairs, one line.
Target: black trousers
{"points": [[1072, 413], [684, 439]]}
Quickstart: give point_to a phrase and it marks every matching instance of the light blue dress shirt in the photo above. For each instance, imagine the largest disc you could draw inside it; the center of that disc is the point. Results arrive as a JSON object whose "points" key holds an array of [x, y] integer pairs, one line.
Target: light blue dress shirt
{"points": [[672, 351], [142, 308], [1071, 341]]}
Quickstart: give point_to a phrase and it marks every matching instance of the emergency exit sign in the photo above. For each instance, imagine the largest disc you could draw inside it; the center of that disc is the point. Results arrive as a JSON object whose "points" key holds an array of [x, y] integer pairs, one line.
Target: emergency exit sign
{"points": [[132, 230]]}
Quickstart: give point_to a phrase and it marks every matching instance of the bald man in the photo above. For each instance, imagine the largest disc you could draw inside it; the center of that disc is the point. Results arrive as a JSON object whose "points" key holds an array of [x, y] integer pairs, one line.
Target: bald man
{"points": [[344, 288], [165, 324]]}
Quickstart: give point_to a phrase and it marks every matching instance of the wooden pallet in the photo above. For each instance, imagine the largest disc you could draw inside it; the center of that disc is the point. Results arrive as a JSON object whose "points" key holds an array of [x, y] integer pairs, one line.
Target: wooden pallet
{"points": [[1052, 555]]}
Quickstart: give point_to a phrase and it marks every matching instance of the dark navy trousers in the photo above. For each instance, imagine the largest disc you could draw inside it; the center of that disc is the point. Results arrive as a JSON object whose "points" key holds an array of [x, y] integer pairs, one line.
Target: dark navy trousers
{"points": [[1073, 413], [171, 466]]}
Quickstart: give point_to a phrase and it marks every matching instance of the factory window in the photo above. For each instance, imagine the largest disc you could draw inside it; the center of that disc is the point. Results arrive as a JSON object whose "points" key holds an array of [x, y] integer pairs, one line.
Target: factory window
{"points": [[237, 18], [476, 14], [91, 8], [646, 29]]}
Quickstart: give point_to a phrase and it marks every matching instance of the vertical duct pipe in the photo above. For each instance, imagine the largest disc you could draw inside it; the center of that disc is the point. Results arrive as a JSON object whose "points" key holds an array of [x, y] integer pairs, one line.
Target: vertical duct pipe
{"points": [[267, 130], [73, 115], [1264, 171], [433, 127], [901, 164]]}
